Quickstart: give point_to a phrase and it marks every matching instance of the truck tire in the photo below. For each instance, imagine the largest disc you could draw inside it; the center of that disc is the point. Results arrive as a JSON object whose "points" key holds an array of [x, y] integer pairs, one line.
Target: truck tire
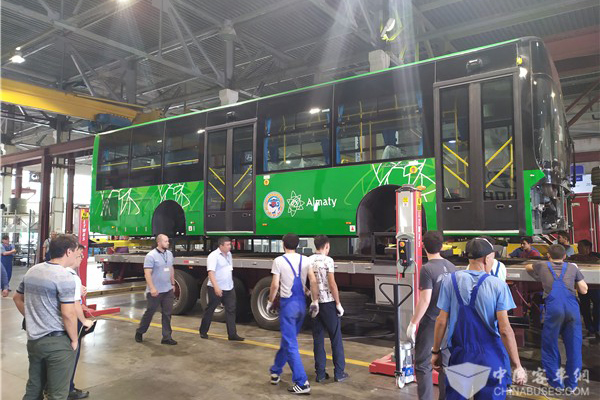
{"points": [[596, 176], [186, 292], [241, 297], [596, 195], [258, 302], [219, 314]]}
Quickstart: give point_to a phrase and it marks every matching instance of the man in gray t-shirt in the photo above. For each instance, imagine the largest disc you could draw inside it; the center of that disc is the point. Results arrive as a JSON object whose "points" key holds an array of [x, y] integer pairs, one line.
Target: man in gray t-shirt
{"points": [[430, 279], [540, 272], [160, 280], [45, 297]]}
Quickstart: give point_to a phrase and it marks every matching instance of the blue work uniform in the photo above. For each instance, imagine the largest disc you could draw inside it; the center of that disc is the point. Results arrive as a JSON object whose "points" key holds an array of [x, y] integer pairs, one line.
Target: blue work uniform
{"points": [[7, 261], [472, 342], [291, 317], [562, 317]]}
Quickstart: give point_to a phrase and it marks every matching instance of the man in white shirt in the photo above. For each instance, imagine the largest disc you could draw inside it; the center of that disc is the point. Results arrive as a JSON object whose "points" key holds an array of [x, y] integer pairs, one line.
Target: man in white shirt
{"points": [[289, 277], [220, 289], [330, 313]]}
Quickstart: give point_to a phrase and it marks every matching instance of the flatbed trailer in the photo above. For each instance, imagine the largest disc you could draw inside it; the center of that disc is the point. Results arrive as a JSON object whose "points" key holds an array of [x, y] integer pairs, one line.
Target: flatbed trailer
{"points": [[252, 280]]}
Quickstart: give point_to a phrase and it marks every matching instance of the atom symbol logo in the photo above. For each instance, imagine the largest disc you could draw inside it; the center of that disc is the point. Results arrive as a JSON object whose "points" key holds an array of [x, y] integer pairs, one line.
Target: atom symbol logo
{"points": [[295, 203]]}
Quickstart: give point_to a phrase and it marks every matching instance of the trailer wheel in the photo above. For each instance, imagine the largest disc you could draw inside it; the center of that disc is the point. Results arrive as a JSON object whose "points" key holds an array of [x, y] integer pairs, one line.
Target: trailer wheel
{"points": [[260, 297], [186, 292], [241, 297], [596, 176], [219, 314]]}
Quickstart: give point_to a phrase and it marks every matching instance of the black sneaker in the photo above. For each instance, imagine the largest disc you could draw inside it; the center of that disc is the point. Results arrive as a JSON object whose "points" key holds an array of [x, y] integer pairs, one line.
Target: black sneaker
{"points": [[236, 338], [342, 377], [138, 337], [275, 379], [204, 335], [300, 389], [322, 378], [78, 394], [168, 341]]}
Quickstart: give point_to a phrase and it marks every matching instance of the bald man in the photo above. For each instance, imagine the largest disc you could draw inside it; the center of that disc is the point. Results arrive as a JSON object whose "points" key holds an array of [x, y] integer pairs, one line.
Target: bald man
{"points": [[160, 280]]}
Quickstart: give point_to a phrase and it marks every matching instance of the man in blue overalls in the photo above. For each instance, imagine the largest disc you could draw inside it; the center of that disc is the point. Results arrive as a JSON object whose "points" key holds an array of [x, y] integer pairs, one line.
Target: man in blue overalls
{"points": [[289, 276], [562, 316], [473, 306]]}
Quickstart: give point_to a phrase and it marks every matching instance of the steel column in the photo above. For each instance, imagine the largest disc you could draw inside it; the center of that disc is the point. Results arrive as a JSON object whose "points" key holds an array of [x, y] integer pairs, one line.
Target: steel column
{"points": [[44, 209], [19, 182], [70, 195]]}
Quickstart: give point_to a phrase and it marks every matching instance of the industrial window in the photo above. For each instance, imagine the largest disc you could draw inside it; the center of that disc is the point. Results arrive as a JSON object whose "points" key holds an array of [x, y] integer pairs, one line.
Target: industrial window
{"points": [[295, 131], [379, 118], [146, 155], [498, 140], [184, 143], [113, 160], [454, 121]]}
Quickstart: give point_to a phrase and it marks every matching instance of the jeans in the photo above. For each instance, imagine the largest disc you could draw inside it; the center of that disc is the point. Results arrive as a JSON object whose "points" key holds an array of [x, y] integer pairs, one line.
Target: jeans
{"points": [[328, 320]]}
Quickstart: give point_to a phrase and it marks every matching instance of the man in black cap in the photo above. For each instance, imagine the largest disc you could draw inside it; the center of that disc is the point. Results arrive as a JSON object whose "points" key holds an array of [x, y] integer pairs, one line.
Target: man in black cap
{"points": [[473, 305]]}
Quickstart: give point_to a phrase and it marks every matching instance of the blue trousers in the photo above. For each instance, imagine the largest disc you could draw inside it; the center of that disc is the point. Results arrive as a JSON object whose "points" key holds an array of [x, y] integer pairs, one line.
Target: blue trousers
{"points": [[328, 320], [291, 317]]}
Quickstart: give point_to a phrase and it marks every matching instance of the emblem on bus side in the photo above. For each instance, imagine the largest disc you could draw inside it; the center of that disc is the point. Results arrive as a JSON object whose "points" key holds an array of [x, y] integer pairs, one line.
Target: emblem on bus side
{"points": [[273, 204]]}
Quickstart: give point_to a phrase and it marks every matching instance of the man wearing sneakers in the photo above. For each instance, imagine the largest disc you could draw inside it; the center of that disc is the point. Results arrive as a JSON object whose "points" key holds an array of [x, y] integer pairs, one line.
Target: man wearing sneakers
{"points": [[330, 313], [431, 277], [289, 276], [160, 280]]}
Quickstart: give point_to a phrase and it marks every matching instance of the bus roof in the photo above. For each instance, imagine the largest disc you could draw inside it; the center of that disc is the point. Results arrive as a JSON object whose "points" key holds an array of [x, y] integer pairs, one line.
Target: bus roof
{"points": [[320, 84]]}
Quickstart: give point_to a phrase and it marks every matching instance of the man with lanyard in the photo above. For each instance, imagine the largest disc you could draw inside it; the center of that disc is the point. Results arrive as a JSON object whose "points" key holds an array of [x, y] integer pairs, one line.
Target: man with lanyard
{"points": [[8, 253], [220, 289], [430, 280], [160, 280], [473, 306], [562, 316], [289, 277], [45, 299]]}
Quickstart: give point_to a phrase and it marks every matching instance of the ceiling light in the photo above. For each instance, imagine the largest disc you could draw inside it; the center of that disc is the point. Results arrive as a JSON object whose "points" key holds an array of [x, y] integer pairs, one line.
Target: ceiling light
{"points": [[200, 131], [314, 110], [17, 58]]}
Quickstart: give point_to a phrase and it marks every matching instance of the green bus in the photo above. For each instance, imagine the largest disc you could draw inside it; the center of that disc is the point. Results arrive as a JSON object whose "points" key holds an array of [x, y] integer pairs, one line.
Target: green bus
{"points": [[481, 132]]}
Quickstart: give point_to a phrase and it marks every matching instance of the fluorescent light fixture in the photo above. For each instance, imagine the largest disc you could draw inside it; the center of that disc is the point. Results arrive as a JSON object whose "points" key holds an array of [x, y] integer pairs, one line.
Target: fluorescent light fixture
{"points": [[159, 141], [288, 162], [200, 131], [452, 141], [326, 110], [17, 58], [314, 110]]}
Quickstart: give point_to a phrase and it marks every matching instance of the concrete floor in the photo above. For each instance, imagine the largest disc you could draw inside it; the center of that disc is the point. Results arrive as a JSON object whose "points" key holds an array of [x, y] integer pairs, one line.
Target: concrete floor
{"points": [[113, 365]]}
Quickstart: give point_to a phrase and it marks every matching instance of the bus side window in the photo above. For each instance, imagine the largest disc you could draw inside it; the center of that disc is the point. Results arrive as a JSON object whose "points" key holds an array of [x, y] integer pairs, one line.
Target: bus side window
{"points": [[146, 155], [113, 161], [380, 118], [184, 145], [296, 132]]}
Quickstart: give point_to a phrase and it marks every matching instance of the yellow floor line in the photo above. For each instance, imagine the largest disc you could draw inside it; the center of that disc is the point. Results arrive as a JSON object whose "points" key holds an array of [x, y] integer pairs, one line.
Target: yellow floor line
{"points": [[223, 337]]}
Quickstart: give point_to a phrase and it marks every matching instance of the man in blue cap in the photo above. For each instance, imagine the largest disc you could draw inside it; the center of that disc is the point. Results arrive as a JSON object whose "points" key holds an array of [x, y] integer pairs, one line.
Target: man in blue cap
{"points": [[473, 306]]}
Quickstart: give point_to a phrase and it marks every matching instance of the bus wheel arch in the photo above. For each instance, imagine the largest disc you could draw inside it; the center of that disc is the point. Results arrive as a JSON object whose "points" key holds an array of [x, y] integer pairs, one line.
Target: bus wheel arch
{"points": [[168, 219]]}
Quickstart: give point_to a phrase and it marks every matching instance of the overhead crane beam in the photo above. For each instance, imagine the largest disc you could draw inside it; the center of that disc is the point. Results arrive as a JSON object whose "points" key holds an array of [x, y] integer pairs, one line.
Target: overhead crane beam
{"points": [[66, 103]]}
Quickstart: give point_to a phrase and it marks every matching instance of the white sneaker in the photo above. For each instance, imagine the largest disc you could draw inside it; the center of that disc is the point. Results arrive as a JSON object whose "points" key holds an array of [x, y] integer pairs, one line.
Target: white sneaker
{"points": [[275, 379], [300, 389]]}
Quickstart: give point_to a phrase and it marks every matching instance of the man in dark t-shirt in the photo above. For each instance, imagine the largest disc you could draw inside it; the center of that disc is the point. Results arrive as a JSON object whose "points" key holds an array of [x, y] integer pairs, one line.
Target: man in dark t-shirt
{"points": [[430, 279]]}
